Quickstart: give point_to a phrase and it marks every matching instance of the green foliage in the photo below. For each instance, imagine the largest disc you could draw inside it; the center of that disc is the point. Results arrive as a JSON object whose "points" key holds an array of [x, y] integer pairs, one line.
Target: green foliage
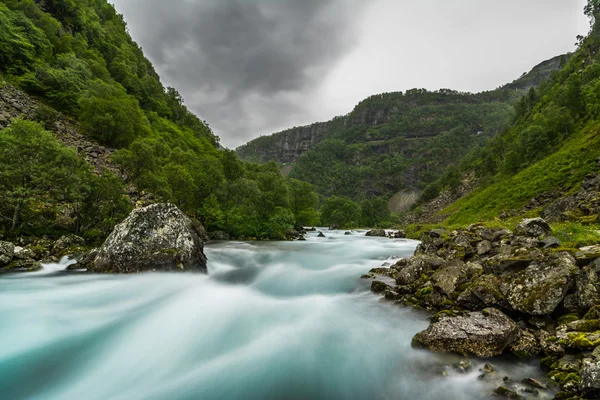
{"points": [[374, 212], [304, 202], [111, 116], [41, 180], [340, 212]]}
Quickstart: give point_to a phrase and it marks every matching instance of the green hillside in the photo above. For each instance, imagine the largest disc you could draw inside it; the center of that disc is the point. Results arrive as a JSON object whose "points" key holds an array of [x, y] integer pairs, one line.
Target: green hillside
{"points": [[78, 58]]}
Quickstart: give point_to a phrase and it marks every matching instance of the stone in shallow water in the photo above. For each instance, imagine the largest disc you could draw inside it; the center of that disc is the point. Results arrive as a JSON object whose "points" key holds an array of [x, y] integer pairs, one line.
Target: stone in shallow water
{"points": [[482, 334], [159, 237]]}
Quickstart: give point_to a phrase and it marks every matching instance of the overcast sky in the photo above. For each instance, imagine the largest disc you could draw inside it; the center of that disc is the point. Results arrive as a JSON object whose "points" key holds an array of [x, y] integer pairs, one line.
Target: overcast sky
{"points": [[255, 67]]}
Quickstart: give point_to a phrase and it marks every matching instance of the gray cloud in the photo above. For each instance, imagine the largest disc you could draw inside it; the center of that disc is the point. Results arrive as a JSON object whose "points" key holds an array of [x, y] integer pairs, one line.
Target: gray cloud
{"points": [[244, 65], [254, 67]]}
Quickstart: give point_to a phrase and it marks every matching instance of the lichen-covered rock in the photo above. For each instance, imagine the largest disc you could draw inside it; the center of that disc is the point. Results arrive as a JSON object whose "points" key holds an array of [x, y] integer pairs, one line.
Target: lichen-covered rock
{"points": [[484, 247], [415, 267], [377, 233], [27, 265], [526, 346], [587, 293], [67, 244], [482, 334], [24, 253], [484, 292], [533, 227], [590, 379], [541, 287], [158, 237], [448, 277], [7, 251]]}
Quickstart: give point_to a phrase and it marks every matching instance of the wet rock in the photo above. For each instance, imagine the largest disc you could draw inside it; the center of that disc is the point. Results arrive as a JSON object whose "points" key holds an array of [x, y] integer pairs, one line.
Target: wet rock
{"points": [[347, 233], [541, 287], [27, 265], [7, 251], [590, 379], [68, 244], [415, 267], [506, 393], [463, 366], [157, 237], [376, 233], [533, 227], [481, 334], [534, 383], [321, 235], [379, 287], [399, 234], [526, 346]]}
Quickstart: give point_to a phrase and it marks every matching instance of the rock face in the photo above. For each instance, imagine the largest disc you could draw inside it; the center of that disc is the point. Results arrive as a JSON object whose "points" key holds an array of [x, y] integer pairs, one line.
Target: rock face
{"points": [[158, 237], [481, 334]]}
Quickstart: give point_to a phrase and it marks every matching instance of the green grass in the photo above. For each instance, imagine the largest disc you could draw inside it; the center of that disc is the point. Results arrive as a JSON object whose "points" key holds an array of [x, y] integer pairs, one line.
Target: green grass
{"points": [[564, 169], [574, 235]]}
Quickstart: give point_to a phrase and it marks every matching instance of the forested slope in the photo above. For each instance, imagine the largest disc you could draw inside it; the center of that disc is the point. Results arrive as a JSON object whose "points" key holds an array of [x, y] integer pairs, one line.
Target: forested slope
{"points": [[78, 59]]}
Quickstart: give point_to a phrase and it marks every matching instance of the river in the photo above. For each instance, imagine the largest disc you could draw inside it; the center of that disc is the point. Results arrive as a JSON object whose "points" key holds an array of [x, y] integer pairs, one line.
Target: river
{"points": [[271, 320]]}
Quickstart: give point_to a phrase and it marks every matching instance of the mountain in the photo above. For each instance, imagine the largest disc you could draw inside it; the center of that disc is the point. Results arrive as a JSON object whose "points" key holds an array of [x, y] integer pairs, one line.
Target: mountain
{"points": [[393, 141], [86, 110]]}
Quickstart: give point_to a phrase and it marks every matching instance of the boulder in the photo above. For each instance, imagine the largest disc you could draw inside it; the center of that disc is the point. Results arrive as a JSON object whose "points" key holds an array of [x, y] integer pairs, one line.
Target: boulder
{"points": [[7, 252], [484, 247], [415, 267], [68, 244], [399, 234], [541, 287], [159, 237], [550, 242], [377, 233], [587, 294], [484, 292], [590, 379], [526, 346], [348, 233], [321, 235], [448, 277], [533, 227], [482, 334], [24, 253]]}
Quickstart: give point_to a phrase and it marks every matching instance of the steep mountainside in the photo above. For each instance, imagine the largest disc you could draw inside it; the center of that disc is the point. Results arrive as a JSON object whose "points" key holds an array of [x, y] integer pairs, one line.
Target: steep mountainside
{"points": [[78, 96], [393, 141], [546, 161]]}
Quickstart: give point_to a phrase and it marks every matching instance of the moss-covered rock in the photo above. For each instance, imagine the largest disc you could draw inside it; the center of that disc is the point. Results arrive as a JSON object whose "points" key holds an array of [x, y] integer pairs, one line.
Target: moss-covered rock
{"points": [[526, 346], [482, 334], [541, 287]]}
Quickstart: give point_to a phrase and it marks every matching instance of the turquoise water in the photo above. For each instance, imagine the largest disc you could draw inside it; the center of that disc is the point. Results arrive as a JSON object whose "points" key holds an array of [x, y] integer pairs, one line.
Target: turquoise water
{"points": [[271, 321]]}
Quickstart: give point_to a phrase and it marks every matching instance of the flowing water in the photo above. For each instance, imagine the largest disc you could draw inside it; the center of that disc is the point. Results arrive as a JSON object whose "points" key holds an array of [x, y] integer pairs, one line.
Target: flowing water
{"points": [[286, 320]]}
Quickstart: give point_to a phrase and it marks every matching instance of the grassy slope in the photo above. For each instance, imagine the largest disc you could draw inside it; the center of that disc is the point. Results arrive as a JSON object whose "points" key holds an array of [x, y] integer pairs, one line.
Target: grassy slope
{"points": [[564, 169]]}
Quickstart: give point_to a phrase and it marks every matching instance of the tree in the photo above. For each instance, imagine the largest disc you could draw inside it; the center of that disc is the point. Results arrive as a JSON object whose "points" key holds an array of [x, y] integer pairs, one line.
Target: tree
{"points": [[303, 202], [340, 212], [111, 116], [36, 170]]}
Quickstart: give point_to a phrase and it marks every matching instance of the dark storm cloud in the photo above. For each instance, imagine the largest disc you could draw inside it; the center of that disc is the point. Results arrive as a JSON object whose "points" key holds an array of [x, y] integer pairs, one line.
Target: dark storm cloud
{"points": [[243, 65]]}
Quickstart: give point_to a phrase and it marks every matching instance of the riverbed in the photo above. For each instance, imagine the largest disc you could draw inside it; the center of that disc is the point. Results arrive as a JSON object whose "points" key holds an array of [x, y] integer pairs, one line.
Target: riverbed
{"points": [[271, 320]]}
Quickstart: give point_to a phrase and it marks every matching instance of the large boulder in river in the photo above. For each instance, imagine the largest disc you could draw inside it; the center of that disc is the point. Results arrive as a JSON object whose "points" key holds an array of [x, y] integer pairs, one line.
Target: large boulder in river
{"points": [[534, 227], [481, 334], [159, 237], [377, 233], [7, 251]]}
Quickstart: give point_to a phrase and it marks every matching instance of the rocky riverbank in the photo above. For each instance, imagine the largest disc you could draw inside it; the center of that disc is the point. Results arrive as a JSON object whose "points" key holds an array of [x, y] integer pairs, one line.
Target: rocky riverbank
{"points": [[496, 292]]}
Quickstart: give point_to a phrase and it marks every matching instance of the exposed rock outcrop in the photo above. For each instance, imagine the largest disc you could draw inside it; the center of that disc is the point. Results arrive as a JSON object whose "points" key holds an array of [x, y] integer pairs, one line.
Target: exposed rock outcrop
{"points": [[159, 237]]}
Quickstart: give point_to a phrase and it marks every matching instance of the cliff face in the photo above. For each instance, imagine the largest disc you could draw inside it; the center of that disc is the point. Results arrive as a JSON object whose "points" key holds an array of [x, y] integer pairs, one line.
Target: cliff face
{"points": [[15, 103]]}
